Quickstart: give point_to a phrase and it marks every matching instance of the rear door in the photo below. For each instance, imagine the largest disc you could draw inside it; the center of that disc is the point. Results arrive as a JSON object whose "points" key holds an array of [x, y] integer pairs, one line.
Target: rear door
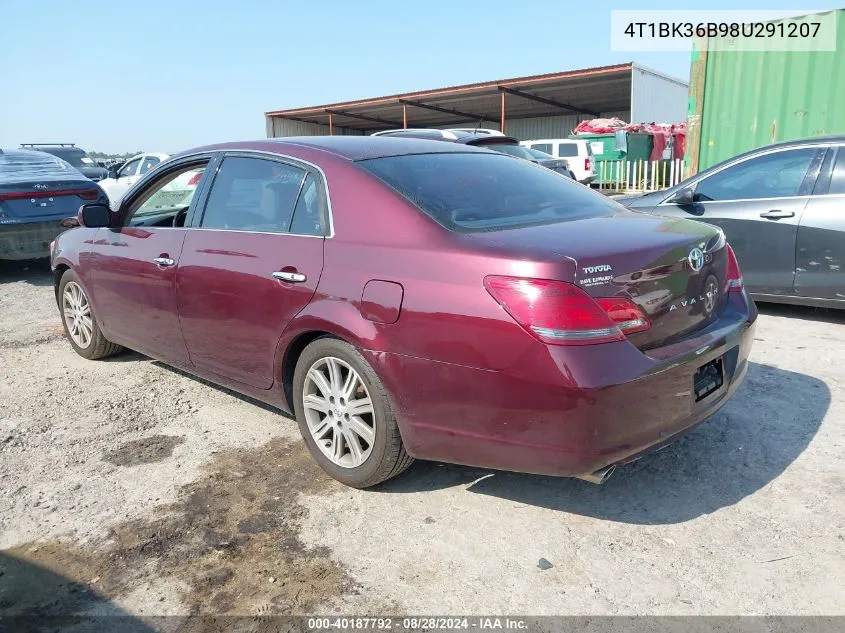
{"points": [[820, 252], [134, 266], [251, 263], [758, 203]]}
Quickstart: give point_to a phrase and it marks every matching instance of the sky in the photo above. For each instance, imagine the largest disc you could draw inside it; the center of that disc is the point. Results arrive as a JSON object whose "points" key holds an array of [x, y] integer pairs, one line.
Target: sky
{"points": [[164, 76]]}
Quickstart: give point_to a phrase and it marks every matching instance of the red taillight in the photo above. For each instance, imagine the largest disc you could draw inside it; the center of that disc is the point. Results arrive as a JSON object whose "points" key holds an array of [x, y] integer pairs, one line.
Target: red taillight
{"points": [[625, 314], [195, 179], [560, 313], [85, 194], [733, 281], [587, 164]]}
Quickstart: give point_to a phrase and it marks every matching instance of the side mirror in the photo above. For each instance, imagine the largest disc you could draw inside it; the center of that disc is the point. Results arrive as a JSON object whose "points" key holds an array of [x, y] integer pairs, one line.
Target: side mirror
{"points": [[94, 216], [113, 173], [684, 197]]}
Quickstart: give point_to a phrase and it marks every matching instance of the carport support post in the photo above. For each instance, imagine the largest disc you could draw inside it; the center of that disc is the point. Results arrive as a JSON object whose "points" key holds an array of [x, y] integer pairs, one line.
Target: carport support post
{"points": [[502, 125], [331, 125], [404, 117]]}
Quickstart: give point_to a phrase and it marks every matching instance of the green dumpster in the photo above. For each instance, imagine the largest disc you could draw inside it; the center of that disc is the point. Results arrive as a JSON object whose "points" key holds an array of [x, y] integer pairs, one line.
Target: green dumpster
{"points": [[610, 154]]}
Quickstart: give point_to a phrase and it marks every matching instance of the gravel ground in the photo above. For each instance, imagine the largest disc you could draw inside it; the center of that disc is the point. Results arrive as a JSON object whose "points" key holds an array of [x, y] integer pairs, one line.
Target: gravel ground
{"points": [[129, 487]]}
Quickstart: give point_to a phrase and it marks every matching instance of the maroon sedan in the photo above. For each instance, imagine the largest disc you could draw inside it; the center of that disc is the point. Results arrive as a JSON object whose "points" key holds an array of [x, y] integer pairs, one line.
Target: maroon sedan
{"points": [[409, 298]]}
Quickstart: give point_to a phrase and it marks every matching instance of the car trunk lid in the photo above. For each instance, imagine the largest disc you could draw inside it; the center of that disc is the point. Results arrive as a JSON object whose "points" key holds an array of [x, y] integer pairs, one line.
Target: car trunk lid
{"points": [[674, 270], [38, 199]]}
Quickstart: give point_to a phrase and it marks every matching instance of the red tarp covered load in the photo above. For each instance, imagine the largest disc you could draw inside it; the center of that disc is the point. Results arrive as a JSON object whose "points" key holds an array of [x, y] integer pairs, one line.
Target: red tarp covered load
{"points": [[660, 133]]}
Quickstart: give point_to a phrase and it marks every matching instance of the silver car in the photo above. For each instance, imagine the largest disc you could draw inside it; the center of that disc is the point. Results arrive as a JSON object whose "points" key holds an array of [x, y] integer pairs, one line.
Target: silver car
{"points": [[782, 208]]}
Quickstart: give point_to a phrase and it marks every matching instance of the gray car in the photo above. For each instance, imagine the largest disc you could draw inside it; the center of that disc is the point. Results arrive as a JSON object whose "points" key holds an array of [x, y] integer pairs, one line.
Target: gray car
{"points": [[782, 208]]}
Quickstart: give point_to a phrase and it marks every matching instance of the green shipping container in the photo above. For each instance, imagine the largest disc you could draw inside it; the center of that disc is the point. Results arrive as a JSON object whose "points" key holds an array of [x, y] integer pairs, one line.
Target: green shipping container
{"points": [[754, 98]]}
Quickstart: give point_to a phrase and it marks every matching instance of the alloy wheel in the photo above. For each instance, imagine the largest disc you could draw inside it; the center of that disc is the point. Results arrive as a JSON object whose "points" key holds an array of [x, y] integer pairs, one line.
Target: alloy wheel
{"points": [[77, 313], [339, 412]]}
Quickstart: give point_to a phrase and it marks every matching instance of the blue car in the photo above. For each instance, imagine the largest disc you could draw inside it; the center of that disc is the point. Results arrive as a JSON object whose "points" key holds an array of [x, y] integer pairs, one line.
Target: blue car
{"points": [[38, 193]]}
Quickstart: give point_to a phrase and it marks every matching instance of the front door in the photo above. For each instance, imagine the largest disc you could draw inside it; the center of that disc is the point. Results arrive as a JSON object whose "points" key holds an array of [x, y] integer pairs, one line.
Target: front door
{"points": [[758, 203], [820, 254], [251, 263], [136, 266]]}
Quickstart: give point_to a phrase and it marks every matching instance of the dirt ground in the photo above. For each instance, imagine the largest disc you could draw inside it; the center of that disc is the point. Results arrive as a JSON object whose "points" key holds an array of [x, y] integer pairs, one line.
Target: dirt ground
{"points": [[127, 487]]}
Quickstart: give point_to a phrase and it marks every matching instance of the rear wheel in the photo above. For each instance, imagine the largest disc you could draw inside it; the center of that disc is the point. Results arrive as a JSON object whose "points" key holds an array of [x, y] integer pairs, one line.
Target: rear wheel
{"points": [[345, 415], [81, 327]]}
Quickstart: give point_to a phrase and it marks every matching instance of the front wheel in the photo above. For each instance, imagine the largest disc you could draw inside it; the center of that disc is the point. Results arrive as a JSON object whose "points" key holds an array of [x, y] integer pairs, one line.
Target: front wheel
{"points": [[81, 327], [345, 415]]}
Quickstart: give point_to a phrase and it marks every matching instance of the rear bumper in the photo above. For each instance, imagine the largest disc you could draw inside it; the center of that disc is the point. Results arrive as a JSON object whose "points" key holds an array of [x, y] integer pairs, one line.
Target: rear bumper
{"points": [[565, 410], [28, 241]]}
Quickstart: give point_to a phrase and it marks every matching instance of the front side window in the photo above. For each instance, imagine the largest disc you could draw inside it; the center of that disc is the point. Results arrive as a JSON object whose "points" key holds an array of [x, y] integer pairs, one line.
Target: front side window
{"points": [[487, 192], [130, 168], [543, 147], [774, 175], [253, 194], [166, 201]]}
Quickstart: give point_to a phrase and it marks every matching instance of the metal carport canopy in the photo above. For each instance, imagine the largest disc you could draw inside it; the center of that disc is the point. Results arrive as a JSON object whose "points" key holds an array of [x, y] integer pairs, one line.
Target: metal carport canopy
{"points": [[585, 92]]}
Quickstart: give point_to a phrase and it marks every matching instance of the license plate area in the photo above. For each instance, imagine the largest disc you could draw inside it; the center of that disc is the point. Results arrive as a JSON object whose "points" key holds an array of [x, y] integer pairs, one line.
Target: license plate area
{"points": [[708, 379]]}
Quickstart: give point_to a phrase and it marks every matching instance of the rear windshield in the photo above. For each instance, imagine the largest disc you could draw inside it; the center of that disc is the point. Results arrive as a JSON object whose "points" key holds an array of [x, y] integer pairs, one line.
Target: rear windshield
{"points": [[487, 192], [567, 149], [76, 157], [19, 166]]}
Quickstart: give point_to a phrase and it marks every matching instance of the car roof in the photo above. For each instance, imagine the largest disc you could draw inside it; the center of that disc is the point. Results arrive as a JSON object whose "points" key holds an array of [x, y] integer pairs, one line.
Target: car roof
{"points": [[348, 147]]}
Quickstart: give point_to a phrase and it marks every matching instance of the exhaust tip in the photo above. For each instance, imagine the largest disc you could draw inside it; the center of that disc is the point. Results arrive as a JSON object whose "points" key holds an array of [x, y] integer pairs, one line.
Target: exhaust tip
{"points": [[600, 476]]}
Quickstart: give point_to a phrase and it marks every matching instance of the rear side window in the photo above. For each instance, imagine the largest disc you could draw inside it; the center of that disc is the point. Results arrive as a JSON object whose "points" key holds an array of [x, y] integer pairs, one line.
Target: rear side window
{"points": [[837, 179], [567, 149], [149, 163], [487, 192], [253, 194], [308, 218]]}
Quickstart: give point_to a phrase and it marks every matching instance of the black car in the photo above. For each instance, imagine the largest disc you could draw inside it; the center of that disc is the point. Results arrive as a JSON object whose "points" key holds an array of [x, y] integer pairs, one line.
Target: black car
{"points": [[495, 142], [72, 154], [38, 193], [782, 208]]}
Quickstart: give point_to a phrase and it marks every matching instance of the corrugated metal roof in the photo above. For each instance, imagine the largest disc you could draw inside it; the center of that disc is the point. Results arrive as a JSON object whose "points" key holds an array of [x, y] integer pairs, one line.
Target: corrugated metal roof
{"points": [[588, 92]]}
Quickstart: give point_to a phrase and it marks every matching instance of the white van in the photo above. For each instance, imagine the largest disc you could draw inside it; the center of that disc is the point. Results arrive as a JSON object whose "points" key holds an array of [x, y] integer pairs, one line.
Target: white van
{"points": [[576, 152]]}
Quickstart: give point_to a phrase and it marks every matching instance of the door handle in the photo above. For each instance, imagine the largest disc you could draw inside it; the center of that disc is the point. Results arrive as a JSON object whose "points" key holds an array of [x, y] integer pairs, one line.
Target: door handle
{"points": [[164, 261], [777, 214], [295, 278]]}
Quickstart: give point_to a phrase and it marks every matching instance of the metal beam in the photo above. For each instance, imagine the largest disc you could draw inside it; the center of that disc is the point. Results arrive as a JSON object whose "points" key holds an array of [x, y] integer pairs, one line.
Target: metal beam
{"points": [[551, 102], [426, 106], [365, 117]]}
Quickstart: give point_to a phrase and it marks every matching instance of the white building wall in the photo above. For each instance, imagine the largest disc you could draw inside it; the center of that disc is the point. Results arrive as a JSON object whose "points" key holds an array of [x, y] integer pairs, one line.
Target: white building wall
{"points": [[657, 98]]}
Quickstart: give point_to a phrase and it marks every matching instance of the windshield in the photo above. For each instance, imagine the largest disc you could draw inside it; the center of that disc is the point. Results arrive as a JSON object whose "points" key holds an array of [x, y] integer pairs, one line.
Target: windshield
{"points": [[486, 192], [73, 155], [508, 148]]}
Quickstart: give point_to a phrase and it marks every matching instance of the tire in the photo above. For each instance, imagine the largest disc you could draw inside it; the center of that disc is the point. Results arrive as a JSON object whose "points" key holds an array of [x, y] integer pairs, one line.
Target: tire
{"points": [[385, 456], [96, 346]]}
